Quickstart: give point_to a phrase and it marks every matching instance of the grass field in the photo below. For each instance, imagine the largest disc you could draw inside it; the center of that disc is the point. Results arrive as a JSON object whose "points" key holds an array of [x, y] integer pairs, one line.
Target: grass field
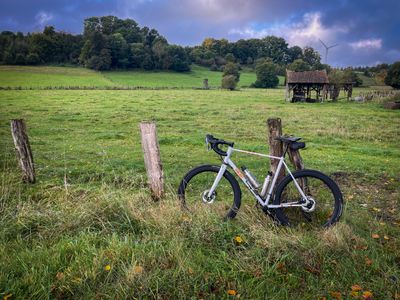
{"points": [[89, 229], [33, 77], [42, 77]]}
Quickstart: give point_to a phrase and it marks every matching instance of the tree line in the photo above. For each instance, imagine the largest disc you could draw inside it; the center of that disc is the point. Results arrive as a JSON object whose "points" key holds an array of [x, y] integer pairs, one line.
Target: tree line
{"points": [[112, 43]]}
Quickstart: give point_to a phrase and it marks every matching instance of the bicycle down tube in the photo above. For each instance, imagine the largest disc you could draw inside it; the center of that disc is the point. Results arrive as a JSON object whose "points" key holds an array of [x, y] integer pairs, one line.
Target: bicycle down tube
{"points": [[228, 162]]}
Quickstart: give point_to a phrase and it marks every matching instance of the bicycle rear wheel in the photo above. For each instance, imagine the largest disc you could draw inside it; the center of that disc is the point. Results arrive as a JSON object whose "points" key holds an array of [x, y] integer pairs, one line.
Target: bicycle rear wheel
{"points": [[225, 201], [318, 188]]}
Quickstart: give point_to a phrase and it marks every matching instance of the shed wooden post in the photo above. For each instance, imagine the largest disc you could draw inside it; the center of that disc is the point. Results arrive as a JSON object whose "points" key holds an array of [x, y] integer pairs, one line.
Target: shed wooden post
{"points": [[275, 146], [152, 160], [24, 153]]}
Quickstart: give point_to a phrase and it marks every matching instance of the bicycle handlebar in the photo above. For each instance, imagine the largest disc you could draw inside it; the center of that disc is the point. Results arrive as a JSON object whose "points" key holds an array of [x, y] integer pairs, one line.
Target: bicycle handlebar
{"points": [[214, 142]]}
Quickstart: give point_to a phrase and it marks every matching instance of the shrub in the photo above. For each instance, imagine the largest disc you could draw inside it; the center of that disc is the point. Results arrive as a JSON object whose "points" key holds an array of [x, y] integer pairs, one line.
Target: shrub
{"points": [[229, 82], [232, 69], [266, 75]]}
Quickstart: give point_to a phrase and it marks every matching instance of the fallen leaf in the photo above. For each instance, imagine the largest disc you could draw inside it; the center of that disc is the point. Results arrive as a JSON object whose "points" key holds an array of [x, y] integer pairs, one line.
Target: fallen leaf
{"points": [[356, 288], [376, 209], [232, 292], [386, 237], [336, 295], [7, 297], [312, 270], [60, 276], [354, 294], [382, 223], [375, 236], [137, 269], [368, 261], [367, 295], [281, 267], [190, 270]]}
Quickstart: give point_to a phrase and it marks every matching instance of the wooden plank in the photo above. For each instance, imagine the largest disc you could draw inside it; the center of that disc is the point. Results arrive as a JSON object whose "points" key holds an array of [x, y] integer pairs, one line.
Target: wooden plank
{"points": [[23, 150], [152, 159], [275, 146]]}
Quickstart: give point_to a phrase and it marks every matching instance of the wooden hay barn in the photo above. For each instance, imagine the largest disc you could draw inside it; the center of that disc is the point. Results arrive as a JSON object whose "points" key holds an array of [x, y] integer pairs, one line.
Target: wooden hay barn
{"points": [[300, 85]]}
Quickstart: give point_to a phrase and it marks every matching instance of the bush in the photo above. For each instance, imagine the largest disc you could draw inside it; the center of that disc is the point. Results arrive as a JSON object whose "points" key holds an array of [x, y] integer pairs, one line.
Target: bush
{"points": [[232, 69], [393, 76], [229, 82], [266, 75]]}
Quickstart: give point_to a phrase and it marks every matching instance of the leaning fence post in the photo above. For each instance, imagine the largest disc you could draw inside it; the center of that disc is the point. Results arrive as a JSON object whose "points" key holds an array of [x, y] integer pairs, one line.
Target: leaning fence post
{"points": [[275, 146], [152, 160], [23, 149]]}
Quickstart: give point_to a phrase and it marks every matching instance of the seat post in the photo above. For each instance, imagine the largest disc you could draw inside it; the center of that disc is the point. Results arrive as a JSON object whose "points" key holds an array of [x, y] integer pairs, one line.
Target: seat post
{"points": [[286, 149]]}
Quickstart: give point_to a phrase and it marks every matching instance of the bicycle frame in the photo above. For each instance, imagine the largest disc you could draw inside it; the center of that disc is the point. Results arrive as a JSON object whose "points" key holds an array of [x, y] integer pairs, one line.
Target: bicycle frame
{"points": [[228, 162]]}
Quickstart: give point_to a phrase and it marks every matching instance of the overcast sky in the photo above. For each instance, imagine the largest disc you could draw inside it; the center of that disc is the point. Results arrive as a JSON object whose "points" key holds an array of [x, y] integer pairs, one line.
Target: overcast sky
{"points": [[367, 31]]}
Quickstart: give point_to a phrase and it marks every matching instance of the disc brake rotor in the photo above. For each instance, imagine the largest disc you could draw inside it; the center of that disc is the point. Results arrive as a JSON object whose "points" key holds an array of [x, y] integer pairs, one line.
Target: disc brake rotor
{"points": [[208, 199]]}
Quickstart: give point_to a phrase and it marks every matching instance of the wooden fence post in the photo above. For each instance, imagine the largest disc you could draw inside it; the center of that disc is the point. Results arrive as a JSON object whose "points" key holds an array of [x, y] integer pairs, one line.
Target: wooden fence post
{"points": [[295, 158], [275, 146], [152, 160], [205, 84], [23, 149]]}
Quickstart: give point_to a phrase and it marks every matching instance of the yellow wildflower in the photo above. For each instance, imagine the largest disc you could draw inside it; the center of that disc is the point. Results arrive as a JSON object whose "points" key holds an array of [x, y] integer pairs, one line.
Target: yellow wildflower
{"points": [[238, 239]]}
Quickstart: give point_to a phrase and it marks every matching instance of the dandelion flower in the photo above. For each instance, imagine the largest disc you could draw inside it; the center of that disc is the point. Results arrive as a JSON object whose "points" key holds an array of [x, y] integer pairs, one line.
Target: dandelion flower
{"points": [[232, 292], [238, 239], [107, 268]]}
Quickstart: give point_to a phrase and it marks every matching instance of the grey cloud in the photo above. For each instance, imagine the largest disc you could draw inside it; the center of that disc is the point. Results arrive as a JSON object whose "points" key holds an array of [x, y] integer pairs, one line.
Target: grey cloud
{"points": [[189, 22]]}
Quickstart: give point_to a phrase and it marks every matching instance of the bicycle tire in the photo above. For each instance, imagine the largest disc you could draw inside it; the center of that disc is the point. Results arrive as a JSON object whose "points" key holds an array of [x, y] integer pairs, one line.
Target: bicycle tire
{"points": [[288, 216], [195, 172]]}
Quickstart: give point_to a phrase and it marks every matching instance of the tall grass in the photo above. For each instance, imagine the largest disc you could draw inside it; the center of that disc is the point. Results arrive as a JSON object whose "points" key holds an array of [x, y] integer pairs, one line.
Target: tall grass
{"points": [[89, 229]]}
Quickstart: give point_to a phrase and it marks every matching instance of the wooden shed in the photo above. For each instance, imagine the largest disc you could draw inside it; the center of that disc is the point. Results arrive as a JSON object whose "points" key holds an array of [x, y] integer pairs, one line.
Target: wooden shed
{"points": [[300, 85]]}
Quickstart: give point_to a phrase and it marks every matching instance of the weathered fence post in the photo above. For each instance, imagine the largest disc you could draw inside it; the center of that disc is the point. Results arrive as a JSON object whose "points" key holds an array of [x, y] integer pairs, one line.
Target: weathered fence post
{"points": [[275, 146], [205, 84], [23, 149], [152, 160], [295, 158]]}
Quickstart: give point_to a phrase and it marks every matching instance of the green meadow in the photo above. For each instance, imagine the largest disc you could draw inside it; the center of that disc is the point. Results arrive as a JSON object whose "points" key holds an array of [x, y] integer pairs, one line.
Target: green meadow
{"points": [[89, 228], [58, 77]]}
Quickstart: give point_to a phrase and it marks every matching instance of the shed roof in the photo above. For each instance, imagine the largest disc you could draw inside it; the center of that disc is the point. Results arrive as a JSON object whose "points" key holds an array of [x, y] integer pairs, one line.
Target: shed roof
{"points": [[307, 77]]}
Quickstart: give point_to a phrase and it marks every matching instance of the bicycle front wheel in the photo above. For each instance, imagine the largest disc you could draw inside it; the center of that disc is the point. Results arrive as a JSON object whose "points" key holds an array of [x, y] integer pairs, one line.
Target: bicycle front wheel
{"points": [[325, 197], [194, 187]]}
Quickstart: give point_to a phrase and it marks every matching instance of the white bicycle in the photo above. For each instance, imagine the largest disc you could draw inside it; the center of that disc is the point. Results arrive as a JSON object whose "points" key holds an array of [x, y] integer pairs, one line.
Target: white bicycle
{"points": [[302, 197]]}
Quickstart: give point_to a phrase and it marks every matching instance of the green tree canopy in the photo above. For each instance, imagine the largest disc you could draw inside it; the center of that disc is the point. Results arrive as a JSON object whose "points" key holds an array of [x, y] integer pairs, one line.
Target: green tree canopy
{"points": [[266, 75], [393, 75]]}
